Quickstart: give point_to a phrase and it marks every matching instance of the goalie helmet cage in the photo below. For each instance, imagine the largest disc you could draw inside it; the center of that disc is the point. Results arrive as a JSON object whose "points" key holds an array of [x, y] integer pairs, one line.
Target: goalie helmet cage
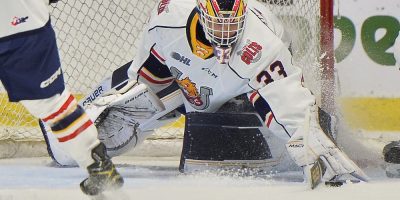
{"points": [[96, 37]]}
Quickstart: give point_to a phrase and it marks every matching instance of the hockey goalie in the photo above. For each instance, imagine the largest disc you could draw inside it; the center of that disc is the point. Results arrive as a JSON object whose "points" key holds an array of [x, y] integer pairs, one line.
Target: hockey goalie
{"points": [[194, 58]]}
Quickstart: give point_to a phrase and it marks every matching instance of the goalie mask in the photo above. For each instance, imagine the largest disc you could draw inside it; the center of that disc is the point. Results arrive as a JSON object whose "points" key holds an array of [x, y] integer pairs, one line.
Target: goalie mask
{"points": [[223, 22]]}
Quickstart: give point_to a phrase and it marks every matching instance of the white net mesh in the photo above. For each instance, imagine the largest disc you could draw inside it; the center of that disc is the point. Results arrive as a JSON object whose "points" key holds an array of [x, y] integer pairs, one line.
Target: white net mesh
{"points": [[96, 37]]}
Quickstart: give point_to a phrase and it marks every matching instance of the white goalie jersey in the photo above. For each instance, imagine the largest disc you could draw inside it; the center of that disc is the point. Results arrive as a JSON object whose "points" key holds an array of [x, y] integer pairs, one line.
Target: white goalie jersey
{"points": [[176, 65], [174, 48]]}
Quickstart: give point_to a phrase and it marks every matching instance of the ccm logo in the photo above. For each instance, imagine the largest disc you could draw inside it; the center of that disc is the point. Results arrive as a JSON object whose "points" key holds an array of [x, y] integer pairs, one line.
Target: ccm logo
{"points": [[296, 145], [51, 79]]}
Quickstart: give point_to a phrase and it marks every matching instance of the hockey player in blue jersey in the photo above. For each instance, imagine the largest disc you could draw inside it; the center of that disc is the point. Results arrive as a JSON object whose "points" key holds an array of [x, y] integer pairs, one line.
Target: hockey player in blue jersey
{"points": [[31, 73]]}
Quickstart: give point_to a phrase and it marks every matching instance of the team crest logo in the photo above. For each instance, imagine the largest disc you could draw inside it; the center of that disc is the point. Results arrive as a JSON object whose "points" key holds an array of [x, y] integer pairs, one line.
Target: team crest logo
{"points": [[251, 52], [198, 100], [163, 6], [191, 92]]}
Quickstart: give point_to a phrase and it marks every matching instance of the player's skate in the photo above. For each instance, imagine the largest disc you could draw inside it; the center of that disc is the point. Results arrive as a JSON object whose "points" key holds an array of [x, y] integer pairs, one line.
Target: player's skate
{"points": [[102, 174], [391, 155]]}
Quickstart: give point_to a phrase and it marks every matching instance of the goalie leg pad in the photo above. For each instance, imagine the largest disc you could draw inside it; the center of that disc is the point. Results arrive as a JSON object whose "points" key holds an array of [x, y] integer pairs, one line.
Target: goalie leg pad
{"points": [[118, 116], [223, 140]]}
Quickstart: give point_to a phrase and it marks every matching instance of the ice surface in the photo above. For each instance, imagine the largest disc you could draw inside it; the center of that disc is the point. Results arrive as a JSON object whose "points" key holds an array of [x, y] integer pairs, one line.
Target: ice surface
{"points": [[159, 179], [155, 178]]}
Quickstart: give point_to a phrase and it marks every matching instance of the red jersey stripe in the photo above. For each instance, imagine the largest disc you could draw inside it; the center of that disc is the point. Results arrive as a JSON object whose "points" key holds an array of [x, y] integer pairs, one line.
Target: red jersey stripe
{"points": [[252, 96], [151, 80], [271, 116]]}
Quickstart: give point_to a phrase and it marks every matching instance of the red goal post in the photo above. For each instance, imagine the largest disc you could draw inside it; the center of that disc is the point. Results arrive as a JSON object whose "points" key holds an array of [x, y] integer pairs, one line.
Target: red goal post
{"points": [[96, 37], [327, 61]]}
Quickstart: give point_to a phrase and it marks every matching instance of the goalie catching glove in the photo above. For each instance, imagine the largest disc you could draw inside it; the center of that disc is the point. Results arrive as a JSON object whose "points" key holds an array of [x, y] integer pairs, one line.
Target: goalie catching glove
{"points": [[318, 155]]}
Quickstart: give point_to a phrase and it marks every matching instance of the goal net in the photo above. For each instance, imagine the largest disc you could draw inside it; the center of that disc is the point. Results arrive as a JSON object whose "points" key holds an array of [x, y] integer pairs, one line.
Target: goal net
{"points": [[96, 37]]}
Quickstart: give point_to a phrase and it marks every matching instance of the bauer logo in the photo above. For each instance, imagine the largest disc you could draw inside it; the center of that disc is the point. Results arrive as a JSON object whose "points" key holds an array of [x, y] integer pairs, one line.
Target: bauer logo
{"points": [[51, 79], [93, 96], [250, 53], [19, 20], [163, 6], [180, 58]]}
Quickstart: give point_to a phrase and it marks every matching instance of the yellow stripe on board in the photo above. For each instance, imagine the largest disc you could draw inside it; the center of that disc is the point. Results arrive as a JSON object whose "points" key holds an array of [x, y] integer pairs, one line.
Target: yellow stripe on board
{"points": [[372, 114], [15, 115]]}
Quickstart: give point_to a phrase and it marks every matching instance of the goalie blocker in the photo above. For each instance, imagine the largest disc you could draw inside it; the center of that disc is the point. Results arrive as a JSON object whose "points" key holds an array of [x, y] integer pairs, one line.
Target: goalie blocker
{"points": [[220, 141]]}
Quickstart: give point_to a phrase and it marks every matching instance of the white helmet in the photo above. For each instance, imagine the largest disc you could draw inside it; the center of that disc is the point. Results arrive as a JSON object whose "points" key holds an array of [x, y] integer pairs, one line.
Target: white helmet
{"points": [[223, 22]]}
